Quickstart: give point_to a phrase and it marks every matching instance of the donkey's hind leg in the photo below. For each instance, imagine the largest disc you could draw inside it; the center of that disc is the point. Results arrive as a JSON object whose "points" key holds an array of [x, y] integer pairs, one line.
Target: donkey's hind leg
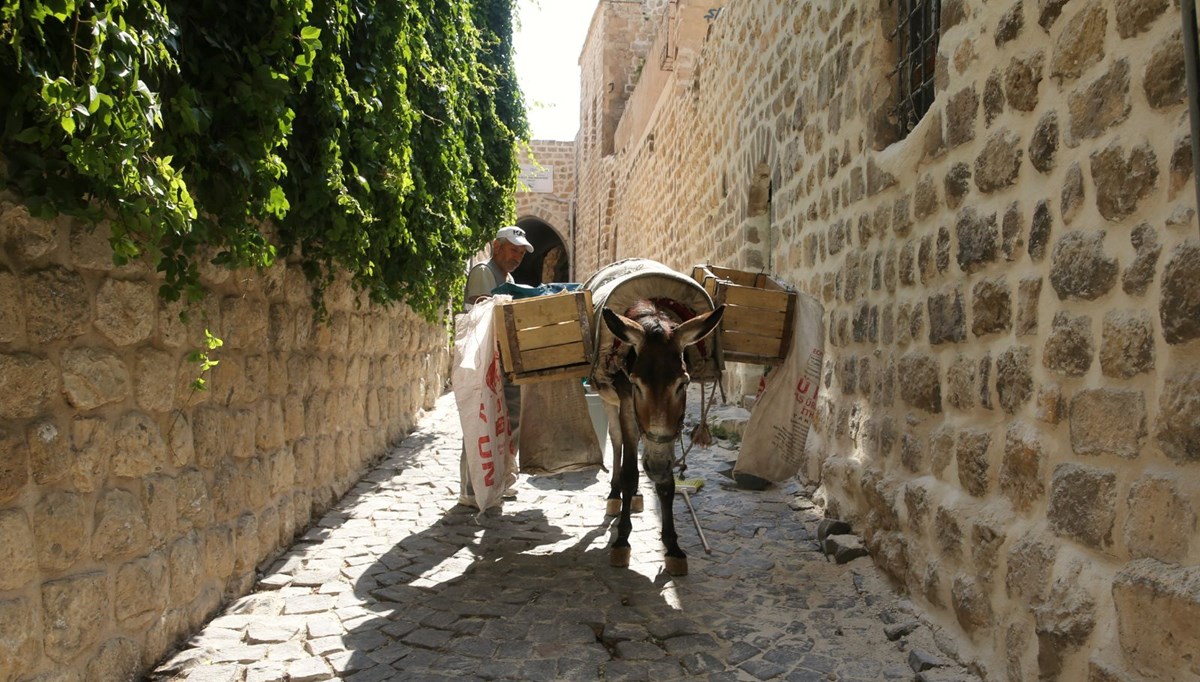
{"points": [[619, 555]]}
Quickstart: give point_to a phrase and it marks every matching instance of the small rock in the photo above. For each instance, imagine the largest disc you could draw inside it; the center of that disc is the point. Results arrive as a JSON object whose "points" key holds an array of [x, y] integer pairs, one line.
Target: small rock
{"points": [[895, 632]]}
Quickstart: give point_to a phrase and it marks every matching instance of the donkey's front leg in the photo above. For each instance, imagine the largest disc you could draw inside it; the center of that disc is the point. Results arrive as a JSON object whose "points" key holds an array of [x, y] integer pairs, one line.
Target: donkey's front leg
{"points": [[619, 555], [676, 561]]}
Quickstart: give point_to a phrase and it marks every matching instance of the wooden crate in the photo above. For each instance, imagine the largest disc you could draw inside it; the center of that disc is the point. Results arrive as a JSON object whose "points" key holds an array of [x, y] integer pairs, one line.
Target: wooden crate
{"points": [[546, 337], [759, 311]]}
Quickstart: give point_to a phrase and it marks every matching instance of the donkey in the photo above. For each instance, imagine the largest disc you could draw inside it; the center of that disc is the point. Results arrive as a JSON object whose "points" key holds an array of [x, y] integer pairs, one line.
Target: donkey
{"points": [[652, 391]]}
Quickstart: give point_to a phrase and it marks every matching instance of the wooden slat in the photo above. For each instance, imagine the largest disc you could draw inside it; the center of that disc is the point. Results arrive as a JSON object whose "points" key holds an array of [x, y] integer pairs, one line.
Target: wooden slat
{"points": [[549, 335], [584, 312], [553, 356], [510, 353], [757, 321], [733, 342], [555, 374], [757, 298], [543, 310]]}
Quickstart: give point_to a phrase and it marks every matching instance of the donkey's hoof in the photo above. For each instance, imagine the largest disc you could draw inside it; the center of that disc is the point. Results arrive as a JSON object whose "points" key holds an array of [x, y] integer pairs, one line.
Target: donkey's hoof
{"points": [[636, 505], [613, 508], [619, 557], [677, 565]]}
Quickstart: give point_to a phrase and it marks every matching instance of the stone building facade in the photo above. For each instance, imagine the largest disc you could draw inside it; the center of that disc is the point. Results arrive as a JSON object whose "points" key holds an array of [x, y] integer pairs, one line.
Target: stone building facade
{"points": [[1010, 412], [131, 507]]}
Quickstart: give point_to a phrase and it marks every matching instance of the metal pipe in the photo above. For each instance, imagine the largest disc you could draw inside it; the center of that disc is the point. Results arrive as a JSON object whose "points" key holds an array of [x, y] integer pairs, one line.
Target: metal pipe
{"points": [[1192, 71]]}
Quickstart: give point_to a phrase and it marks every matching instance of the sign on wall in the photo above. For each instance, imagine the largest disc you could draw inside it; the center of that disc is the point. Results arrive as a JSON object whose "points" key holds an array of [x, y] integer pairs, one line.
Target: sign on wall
{"points": [[536, 178]]}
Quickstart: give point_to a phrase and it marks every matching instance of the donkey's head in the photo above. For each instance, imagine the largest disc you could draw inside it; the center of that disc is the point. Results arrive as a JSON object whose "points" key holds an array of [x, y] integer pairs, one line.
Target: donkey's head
{"points": [[656, 367]]}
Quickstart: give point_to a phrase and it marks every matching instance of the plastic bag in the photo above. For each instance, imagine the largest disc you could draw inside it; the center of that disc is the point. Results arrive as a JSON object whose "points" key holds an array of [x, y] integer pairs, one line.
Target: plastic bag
{"points": [[479, 394]]}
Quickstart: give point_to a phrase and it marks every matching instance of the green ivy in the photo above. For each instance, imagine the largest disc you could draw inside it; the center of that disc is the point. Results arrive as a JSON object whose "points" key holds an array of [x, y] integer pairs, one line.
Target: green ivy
{"points": [[375, 138]]}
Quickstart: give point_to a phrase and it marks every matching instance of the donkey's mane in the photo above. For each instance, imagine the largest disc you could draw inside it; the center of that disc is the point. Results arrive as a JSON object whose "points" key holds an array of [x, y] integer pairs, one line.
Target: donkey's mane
{"points": [[654, 321]]}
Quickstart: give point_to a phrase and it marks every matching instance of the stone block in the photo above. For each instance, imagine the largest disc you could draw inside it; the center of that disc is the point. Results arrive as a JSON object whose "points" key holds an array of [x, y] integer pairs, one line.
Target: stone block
{"points": [[243, 322], [1123, 180], [141, 589], [180, 446], [971, 454], [154, 384], [961, 112], [49, 451], [1164, 82], [960, 382], [1135, 16], [210, 430], [999, 164], [119, 658], [18, 636], [1029, 562], [947, 318], [1021, 81], [1127, 344], [1177, 428], [991, 307], [184, 564], [1100, 106], [162, 506], [12, 317], [1153, 598], [1179, 307], [1022, 470], [27, 384], [1141, 271], [76, 610], [1064, 621], [972, 607], [93, 445], [218, 552], [948, 532], [139, 448], [978, 239], [957, 184], [1069, 347], [56, 305], [1073, 193], [121, 526], [1043, 145], [1083, 504], [92, 377], [245, 543], [16, 541], [1080, 269], [1081, 42], [126, 311], [1161, 521], [1108, 421], [62, 525]]}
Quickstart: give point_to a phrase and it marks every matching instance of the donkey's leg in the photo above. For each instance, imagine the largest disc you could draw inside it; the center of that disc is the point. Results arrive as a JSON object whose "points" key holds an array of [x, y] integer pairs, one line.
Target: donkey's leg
{"points": [[614, 434], [676, 561], [629, 482]]}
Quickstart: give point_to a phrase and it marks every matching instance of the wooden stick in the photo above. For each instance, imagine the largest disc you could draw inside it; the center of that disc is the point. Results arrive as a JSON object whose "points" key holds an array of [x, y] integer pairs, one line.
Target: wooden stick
{"points": [[687, 499]]}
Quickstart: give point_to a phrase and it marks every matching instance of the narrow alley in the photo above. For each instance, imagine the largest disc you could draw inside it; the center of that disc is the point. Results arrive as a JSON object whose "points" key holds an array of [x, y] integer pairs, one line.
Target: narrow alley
{"points": [[397, 582]]}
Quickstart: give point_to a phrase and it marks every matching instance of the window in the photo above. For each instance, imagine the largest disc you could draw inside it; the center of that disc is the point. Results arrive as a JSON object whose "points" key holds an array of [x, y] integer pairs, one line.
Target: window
{"points": [[916, 40]]}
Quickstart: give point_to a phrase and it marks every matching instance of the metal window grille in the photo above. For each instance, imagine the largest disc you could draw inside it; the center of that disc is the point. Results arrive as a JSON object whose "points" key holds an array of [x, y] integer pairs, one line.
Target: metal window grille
{"points": [[916, 40]]}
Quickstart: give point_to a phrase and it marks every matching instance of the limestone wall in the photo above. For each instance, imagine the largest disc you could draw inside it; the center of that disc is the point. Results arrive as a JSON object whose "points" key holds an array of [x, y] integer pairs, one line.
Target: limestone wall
{"points": [[131, 507], [1012, 292]]}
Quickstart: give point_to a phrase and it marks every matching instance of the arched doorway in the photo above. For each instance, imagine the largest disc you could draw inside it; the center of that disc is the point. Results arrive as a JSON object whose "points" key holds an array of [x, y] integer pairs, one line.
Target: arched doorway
{"points": [[549, 262]]}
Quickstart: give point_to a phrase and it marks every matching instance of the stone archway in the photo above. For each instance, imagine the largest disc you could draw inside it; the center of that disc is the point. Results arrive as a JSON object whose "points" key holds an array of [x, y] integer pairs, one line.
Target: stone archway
{"points": [[550, 260]]}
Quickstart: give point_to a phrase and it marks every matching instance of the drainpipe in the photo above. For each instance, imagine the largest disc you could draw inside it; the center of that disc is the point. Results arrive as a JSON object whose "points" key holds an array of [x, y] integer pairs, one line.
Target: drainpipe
{"points": [[1190, 57]]}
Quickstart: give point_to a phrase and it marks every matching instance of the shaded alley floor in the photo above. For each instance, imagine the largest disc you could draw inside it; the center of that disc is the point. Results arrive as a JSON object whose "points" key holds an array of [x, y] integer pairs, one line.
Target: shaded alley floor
{"points": [[398, 582]]}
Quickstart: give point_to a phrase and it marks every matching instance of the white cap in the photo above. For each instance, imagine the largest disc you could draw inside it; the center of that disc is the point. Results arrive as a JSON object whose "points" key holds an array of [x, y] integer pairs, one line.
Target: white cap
{"points": [[515, 235]]}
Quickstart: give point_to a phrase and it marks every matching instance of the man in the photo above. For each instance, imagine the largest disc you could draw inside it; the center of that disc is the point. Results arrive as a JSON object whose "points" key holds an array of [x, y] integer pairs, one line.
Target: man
{"points": [[508, 250]]}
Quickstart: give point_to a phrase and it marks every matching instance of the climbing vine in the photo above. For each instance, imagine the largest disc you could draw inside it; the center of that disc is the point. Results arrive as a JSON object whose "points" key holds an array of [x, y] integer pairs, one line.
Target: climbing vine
{"points": [[376, 138]]}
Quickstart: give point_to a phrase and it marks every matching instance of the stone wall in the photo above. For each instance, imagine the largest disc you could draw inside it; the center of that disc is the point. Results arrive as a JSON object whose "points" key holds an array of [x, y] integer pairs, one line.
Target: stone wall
{"points": [[553, 208], [1012, 292], [130, 506]]}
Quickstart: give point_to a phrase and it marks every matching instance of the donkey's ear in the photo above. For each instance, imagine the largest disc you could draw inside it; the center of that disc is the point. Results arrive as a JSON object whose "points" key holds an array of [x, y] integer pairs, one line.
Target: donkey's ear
{"points": [[697, 328], [624, 328]]}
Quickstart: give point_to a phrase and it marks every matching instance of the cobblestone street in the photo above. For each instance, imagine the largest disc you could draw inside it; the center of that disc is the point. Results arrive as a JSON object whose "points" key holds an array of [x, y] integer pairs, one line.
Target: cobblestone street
{"points": [[398, 582]]}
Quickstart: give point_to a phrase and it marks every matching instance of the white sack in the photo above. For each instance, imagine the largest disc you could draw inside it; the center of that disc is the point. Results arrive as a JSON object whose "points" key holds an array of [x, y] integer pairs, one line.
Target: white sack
{"points": [[773, 444], [479, 393]]}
